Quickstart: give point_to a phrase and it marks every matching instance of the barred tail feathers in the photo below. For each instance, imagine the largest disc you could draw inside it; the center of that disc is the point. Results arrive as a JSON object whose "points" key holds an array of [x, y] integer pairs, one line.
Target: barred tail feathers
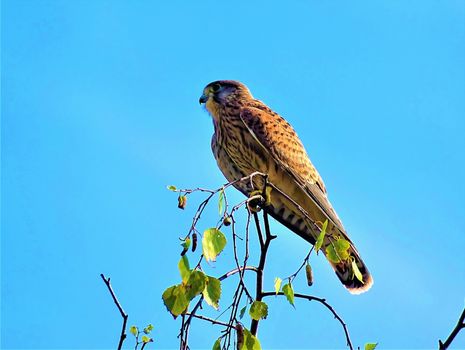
{"points": [[346, 275], [288, 212], [343, 270]]}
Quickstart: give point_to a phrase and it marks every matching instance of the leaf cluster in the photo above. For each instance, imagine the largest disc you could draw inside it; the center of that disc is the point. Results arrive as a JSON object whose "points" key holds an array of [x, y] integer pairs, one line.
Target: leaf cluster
{"points": [[195, 282], [144, 338]]}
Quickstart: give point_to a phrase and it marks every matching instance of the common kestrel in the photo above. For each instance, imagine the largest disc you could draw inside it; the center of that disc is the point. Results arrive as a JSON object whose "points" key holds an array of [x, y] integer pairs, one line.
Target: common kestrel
{"points": [[250, 137]]}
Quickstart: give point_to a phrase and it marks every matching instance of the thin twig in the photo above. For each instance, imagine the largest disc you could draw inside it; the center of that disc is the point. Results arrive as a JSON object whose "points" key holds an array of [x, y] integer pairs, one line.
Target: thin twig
{"points": [[236, 259], [191, 190], [241, 286], [294, 275], [459, 326], [234, 307], [325, 303], [202, 205], [198, 213], [211, 320], [232, 272], [189, 320], [144, 344], [185, 326], [181, 333], [124, 315]]}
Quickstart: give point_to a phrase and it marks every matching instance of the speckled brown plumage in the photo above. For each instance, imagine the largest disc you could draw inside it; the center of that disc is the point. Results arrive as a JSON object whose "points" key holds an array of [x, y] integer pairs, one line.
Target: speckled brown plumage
{"points": [[250, 137]]}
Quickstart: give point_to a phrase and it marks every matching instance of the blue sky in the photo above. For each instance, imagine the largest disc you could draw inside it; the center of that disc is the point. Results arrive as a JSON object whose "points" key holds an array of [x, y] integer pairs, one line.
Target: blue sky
{"points": [[100, 112]]}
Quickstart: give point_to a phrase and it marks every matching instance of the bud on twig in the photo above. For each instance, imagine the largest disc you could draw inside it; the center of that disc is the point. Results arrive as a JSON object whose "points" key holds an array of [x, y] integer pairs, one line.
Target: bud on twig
{"points": [[227, 221], [185, 245], [194, 242], [240, 336], [309, 273], [182, 201]]}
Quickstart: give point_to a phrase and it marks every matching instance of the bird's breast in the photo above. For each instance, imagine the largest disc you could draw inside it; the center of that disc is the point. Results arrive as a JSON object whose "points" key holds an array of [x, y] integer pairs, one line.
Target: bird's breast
{"points": [[237, 152]]}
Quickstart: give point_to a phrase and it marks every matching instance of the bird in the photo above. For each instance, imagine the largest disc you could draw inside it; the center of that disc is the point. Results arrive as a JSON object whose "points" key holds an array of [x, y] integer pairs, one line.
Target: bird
{"points": [[249, 137]]}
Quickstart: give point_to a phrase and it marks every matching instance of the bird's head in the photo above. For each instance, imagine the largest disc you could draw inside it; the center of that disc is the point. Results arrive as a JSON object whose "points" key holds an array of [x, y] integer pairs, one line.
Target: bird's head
{"points": [[219, 92]]}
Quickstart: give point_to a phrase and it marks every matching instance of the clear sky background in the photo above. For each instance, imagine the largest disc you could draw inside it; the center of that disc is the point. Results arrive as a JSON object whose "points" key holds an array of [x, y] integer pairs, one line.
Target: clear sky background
{"points": [[100, 112]]}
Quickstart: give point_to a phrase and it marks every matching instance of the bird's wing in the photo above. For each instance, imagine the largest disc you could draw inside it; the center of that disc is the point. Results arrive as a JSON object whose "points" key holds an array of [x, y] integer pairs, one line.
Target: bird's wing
{"points": [[296, 176], [278, 136], [280, 140]]}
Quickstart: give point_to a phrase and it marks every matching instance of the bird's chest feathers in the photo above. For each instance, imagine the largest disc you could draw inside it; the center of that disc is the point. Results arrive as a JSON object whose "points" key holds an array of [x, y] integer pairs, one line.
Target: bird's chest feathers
{"points": [[236, 150]]}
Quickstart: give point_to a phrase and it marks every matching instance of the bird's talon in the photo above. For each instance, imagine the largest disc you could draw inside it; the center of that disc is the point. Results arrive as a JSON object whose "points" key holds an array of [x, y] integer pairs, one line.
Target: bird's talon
{"points": [[255, 202]]}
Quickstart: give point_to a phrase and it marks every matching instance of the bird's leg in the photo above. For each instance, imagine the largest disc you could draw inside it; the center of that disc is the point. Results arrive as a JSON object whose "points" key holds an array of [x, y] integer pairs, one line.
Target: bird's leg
{"points": [[255, 201], [259, 199]]}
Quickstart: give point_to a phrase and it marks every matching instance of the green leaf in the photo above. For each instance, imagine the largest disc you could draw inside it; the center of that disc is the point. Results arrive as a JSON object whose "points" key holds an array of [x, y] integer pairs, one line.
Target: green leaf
{"points": [[195, 284], [175, 299], [357, 272], [342, 247], [332, 255], [370, 346], [221, 202], [148, 329], [321, 236], [309, 274], [217, 345], [277, 284], [258, 310], [171, 188], [212, 291], [242, 312], [289, 293], [213, 243], [133, 330], [146, 339], [184, 268], [250, 341], [186, 243]]}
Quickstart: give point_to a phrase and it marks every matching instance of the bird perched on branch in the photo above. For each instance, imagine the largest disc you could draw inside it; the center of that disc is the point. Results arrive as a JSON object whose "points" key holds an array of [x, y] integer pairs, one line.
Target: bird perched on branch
{"points": [[249, 137]]}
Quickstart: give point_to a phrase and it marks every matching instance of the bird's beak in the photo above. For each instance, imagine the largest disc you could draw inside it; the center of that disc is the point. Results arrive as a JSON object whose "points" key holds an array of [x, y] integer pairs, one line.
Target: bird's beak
{"points": [[203, 99]]}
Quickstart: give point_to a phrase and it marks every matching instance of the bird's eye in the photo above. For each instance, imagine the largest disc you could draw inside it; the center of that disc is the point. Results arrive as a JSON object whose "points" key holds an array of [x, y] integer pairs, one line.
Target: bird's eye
{"points": [[216, 87]]}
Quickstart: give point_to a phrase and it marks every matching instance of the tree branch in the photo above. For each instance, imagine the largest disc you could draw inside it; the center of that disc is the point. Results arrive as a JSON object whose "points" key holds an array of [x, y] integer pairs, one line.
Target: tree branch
{"points": [[325, 303], [259, 230], [458, 327], [124, 315], [261, 265], [254, 204]]}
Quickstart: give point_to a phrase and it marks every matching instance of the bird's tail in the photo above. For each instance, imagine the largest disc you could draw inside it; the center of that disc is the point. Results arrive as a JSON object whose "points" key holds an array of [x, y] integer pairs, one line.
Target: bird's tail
{"points": [[356, 279], [304, 211], [352, 272]]}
